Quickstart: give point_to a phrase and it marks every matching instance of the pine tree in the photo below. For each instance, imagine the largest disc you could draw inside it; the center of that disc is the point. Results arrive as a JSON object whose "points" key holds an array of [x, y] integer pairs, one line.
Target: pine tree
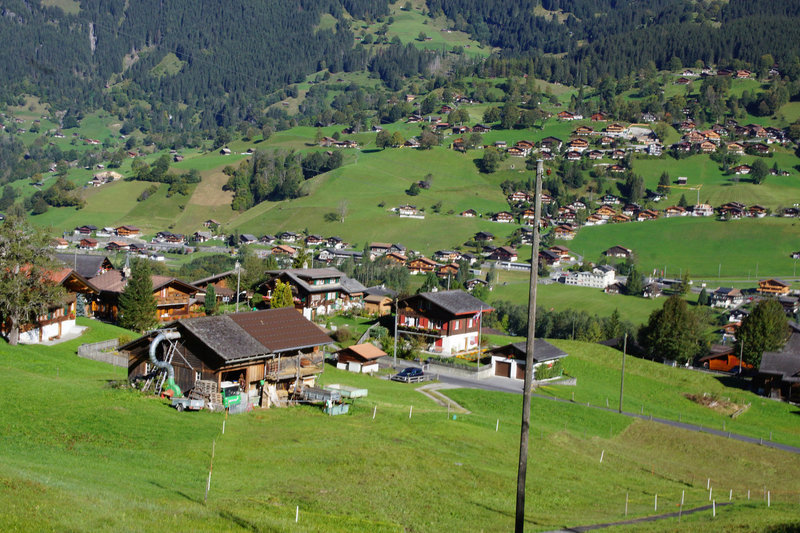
{"points": [[682, 202], [137, 305], [763, 330], [635, 283], [211, 299], [703, 298]]}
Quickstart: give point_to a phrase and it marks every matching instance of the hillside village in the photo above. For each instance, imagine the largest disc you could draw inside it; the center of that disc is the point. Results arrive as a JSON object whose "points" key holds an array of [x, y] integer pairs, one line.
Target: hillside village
{"points": [[333, 243]]}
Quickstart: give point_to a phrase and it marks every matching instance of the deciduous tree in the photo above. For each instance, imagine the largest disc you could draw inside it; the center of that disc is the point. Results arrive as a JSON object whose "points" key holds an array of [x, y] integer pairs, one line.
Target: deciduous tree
{"points": [[763, 330], [282, 295], [673, 332], [26, 289]]}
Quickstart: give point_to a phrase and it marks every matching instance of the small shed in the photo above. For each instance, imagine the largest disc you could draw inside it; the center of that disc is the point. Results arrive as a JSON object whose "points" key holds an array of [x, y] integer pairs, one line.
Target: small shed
{"points": [[377, 304], [359, 358]]}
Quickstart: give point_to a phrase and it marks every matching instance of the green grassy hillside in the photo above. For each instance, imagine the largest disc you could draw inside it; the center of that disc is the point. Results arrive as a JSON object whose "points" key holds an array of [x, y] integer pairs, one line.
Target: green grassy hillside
{"points": [[78, 454]]}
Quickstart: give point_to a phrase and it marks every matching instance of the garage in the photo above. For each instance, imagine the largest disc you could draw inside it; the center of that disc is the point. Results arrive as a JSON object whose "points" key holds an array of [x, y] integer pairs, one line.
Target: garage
{"points": [[502, 369]]}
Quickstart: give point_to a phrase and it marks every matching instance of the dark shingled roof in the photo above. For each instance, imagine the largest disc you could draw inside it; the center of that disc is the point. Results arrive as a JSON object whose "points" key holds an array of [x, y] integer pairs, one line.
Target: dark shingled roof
{"points": [[785, 363], [86, 265], [281, 330], [381, 291], [456, 302], [223, 335], [542, 351]]}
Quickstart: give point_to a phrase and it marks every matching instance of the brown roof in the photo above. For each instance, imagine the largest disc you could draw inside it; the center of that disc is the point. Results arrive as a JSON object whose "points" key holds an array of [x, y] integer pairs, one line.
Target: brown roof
{"points": [[281, 329], [365, 351]]}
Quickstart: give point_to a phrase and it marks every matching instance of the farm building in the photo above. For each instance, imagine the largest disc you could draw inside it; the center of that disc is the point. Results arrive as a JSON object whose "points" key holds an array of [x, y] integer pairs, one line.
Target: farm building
{"points": [[277, 346], [359, 358], [722, 359], [509, 361]]}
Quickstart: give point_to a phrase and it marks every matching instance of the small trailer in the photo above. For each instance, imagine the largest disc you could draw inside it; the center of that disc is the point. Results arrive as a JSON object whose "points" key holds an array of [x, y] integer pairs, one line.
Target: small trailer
{"points": [[188, 404], [316, 394]]}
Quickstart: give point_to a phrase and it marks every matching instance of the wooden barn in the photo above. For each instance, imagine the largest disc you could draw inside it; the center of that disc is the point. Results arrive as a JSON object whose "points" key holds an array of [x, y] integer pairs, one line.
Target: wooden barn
{"points": [[271, 353]]}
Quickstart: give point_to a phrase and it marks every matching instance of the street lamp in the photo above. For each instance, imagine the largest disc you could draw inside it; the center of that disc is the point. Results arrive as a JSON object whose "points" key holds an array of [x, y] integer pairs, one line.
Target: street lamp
{"points": [[238, 279]]}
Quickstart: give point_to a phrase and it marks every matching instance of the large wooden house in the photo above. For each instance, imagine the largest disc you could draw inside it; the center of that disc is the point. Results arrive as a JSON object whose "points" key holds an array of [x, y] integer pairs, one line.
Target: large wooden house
{"points": [[271, 353], [449, 321], [175, 299], [318, 291], [773, 287], [779, 372]]}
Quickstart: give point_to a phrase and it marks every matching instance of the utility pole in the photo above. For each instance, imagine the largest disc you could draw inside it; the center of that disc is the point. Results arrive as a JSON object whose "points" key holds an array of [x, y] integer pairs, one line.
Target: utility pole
{"points": [[741, 354], [394, 349], [238, 279], [622, 378], [519, 523]]}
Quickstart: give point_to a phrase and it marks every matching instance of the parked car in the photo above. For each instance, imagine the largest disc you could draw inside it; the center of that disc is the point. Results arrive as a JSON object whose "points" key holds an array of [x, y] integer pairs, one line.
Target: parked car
{"points": [[410, 372]]}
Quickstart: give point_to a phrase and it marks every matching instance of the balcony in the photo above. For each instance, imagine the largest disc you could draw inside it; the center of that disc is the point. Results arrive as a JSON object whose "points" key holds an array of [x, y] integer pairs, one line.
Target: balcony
{"points": [[288, 367]]}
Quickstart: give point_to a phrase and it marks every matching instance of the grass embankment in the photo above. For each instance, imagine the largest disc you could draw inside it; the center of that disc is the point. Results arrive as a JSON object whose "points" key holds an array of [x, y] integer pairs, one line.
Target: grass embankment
{"points": [[659, 390], [77, 454]]}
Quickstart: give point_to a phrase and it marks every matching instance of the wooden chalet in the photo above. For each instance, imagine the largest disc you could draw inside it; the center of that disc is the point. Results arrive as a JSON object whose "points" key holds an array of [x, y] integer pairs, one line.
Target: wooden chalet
{"points": [[504, 253], [503, 217], [605, 211], [422, 265], [675, 211], [318, 291], [87, 243], [359, 358], [448, 271], [618, 252], [175, 299], [469, 213], [224, 288], [773, 286], [272, 353], [283, 249], [509, 361], [565, 232], [620, 218], [127, 231], [449, 321], [59, 319]]}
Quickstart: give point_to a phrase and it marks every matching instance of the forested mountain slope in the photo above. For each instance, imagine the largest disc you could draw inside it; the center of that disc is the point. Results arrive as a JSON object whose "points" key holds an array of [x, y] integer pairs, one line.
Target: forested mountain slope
{"points": [[229, 54], [617, 37]]}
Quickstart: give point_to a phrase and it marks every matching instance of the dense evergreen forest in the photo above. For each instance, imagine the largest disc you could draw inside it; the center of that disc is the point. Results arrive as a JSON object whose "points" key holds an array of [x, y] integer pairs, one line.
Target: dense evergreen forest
{"points": [[229, 55], [617, 37], [202, 66]]}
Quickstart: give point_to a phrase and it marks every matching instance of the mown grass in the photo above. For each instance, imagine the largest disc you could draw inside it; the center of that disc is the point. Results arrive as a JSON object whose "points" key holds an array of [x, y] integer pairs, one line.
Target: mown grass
{"points": [[76, 454], [513, 287], [745, 249]]}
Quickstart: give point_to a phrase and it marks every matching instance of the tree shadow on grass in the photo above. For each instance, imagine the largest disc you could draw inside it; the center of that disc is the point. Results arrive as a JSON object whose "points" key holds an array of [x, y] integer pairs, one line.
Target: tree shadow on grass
{"points": [[371, 150], [508, 514], [735, 382]]}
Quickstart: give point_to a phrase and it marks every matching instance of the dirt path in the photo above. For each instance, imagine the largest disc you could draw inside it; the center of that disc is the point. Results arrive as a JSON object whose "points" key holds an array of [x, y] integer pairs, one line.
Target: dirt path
{"points": [[433, 391]]}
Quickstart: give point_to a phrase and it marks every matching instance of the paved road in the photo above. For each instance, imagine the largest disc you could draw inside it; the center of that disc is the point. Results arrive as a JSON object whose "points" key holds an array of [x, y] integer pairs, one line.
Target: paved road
{"points": [[515, 386]]}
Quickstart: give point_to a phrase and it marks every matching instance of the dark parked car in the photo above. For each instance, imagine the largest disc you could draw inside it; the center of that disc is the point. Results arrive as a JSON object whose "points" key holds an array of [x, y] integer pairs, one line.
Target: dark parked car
{"points": [[410, 372]]}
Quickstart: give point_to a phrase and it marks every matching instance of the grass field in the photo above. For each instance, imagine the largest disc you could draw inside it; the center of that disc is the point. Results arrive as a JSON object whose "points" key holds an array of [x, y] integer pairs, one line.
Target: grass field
{"points": [[84, 455], [513, 286], [739, 249]]}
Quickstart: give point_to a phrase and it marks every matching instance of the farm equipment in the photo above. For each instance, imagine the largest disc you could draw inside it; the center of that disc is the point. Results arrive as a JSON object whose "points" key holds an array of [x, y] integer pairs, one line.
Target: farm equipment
{"points": [[230, 394]]}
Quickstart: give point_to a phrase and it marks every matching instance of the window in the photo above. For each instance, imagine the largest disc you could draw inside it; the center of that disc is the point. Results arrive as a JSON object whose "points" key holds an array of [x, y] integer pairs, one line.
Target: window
{"points": [[197, 376], [455, 325]]}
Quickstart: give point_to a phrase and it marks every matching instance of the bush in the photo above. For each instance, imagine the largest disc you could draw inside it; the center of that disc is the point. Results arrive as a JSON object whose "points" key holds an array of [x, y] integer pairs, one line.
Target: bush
{"points": [[343, 334], [378, 332], [543, 372]]}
